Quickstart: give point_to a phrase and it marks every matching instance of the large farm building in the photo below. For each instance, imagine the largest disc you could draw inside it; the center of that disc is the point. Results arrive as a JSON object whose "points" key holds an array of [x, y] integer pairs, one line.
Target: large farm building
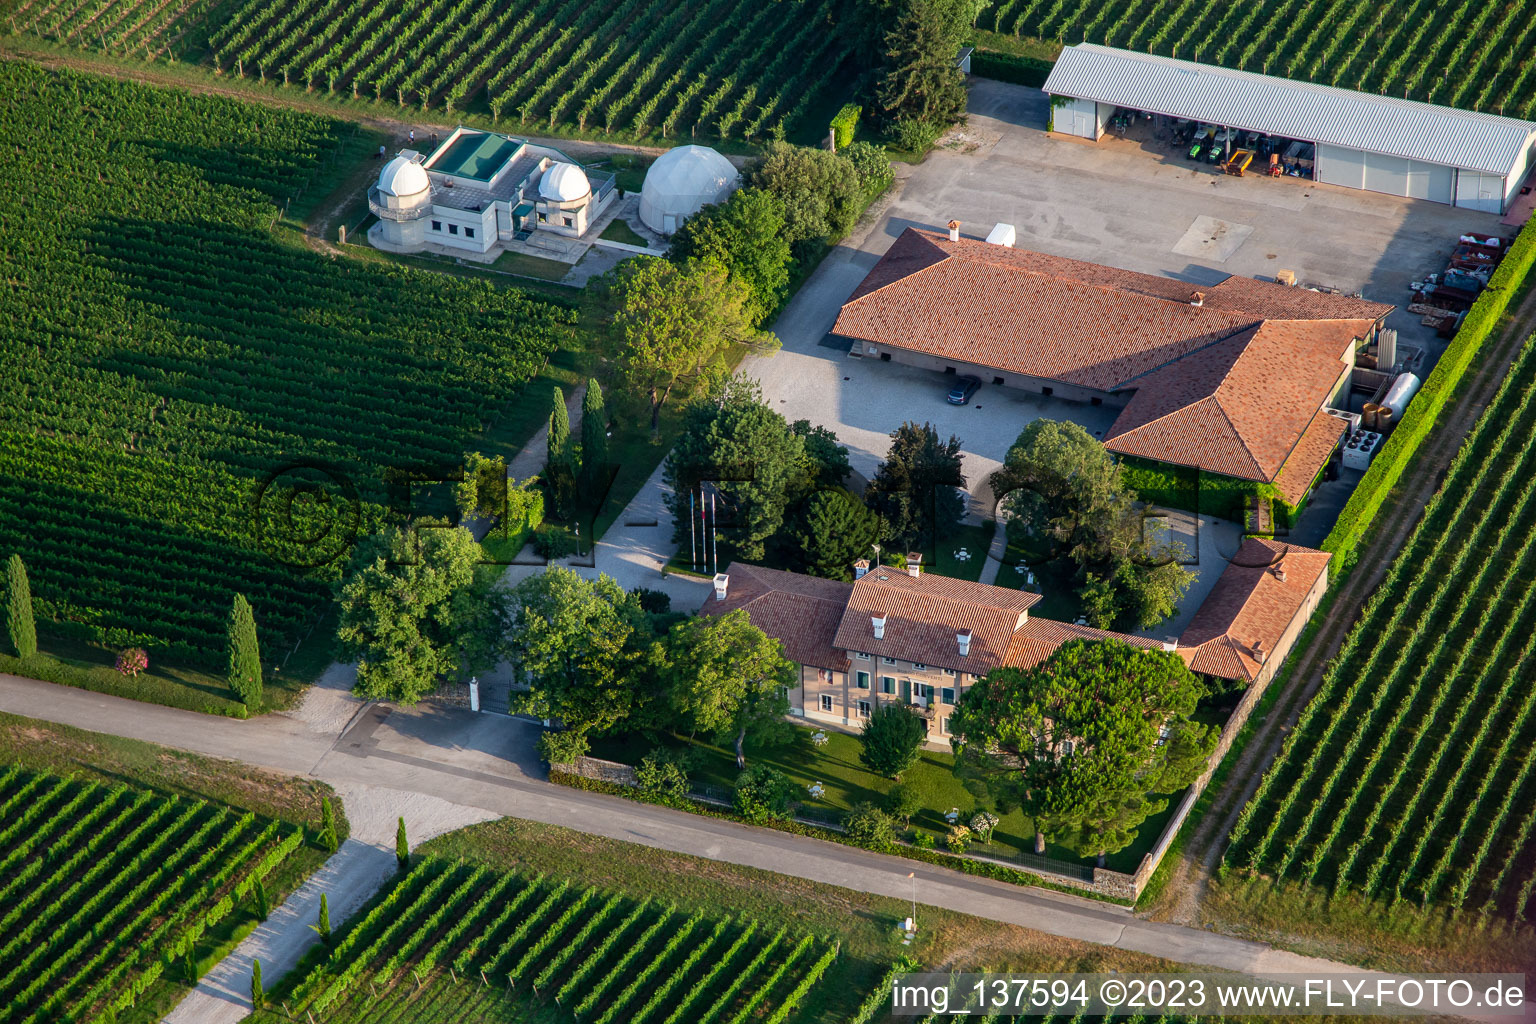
{"points": [[1477, 161]]}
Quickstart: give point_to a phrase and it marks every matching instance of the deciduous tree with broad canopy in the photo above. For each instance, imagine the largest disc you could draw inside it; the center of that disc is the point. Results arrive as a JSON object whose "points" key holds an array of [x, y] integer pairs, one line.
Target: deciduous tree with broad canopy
{"points": [[419, 608], [1084, 741], [581, 644], [1058, 483], [745, 235], [671, 325], [725, 676]]}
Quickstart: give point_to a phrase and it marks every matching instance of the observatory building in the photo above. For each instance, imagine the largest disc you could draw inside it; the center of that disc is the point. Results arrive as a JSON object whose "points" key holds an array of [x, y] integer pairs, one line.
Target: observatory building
{"points": [[680, 182], [478, 189]]}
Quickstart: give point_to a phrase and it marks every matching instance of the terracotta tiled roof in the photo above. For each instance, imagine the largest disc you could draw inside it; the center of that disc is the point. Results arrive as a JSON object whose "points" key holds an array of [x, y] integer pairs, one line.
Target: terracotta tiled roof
{"points": [[1308, 457], [924, 614], [1024, 312], [1242, 406], [1038, 639], [1270, 301], [801, 611], [1250, 605]]}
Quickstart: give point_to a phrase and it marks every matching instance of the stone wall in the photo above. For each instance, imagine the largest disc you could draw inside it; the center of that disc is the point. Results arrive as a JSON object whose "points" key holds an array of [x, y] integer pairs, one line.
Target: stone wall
{"points": [[598, 770]]}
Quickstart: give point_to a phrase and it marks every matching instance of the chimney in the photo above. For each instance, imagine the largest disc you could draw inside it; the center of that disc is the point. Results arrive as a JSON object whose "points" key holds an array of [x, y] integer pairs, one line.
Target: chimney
{"points": [[861, 568], [1258, 651], [963, 638], [914, 564], [878, 621], [1278, 571], [721, 582], [1197, 299], [954, 231]]}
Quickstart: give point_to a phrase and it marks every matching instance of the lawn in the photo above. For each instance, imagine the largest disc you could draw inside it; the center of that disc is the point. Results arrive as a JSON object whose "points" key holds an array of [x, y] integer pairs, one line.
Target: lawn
{"points": [[836, 766], [618, 230], [178, 780], [973, 541]]}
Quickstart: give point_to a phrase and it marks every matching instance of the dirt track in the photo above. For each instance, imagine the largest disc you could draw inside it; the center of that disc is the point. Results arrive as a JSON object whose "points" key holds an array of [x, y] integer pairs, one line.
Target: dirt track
{"points": [[1180, 901]]}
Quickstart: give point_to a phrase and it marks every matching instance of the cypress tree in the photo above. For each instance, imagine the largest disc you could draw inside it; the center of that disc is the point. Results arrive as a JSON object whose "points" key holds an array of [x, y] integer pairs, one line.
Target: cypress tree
{"points": [[561, 465], [402, 847], [328, 839], [323, 925], [258, 997], [244, 653], [594, 437], [18, 609], [259, 903]]}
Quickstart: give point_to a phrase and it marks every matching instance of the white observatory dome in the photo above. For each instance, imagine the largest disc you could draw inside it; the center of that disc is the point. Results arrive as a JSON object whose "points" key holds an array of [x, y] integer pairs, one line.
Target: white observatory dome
{"points": [[564, 183], [680, 182], [403, 177]]}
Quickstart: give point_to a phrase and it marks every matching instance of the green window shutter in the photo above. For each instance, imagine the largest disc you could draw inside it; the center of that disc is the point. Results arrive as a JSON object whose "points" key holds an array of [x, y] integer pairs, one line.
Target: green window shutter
{"points": [[906, 690]]}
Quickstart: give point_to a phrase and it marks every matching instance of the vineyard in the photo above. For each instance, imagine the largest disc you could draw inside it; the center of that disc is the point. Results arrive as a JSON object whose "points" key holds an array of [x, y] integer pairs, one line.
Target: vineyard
{"points": [[454, 940], [630, 68], [1456, 53], [104, 887], [1410, 775], [193, 406]]}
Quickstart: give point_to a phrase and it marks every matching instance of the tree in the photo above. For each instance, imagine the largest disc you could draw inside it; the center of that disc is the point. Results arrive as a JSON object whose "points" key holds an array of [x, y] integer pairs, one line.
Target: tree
{"points": [[745, 235], [868, 826], [891, 739], [482, 492], [919, 81], [820, 191], [560, 461], [260, 906], [748, 453], [917, 489], [20, 625], [258, 994], [244, 654], [829, 458], [1083, 741], [322, 925], [836, 531], [417, 609], [594, 441], [671, 325], [662, 777], [402, 846], [727, 677], [328, 838], [577, 643], [1060, 485], [872, 164], [904, 800], [763, 794]]}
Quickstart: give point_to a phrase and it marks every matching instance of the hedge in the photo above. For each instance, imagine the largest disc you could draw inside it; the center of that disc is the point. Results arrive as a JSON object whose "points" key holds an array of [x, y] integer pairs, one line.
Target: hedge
{"points": [[144, 687], [845, 124], [985, 869], [1481, 322], [1183, 487], [1005, 67]]}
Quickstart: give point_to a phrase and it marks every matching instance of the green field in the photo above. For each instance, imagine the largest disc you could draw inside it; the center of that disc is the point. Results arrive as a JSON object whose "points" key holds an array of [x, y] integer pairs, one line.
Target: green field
{"points": [[1411, 777], [456, 940], [106, 885], [624, 68], [195, 405], [1457, 53]]}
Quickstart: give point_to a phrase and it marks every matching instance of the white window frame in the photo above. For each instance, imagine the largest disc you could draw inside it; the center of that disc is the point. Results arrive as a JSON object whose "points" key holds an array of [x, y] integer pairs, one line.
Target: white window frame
{"points": [[826, 703], [861, 655], [863, 709], [861, 681], [948, 671], [888, 679]]}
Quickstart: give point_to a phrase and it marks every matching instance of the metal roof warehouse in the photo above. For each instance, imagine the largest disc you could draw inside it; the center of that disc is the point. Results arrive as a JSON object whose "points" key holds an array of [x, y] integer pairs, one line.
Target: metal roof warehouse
{"points": [[1378, 143]]}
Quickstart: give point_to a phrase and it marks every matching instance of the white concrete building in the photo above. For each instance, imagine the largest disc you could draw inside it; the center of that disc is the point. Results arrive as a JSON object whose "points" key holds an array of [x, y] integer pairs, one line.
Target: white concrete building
{"points": [[681, 182], [1476, 161], [479, 189]]}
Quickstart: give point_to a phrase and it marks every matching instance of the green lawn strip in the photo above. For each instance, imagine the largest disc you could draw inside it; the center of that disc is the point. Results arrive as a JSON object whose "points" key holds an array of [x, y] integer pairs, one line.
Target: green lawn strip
{"points": [[974, 541], [524, 265], [618, 230], [836, 766]]}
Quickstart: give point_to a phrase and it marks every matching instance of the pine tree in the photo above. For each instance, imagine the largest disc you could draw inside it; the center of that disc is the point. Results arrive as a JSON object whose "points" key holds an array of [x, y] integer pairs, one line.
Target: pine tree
{"points": [[323, 925], [594, 438], [402, 847], [328, 837], [18, 609], [258, 996], [244, 654]]}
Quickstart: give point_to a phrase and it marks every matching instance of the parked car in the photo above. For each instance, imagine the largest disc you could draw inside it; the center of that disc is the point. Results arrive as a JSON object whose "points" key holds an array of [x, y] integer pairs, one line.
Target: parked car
{"points": [[964, 388]]}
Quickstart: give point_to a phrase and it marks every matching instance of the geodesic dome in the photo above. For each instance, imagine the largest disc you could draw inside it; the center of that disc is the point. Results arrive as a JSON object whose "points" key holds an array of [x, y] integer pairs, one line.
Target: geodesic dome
{"points": [[680, 182]]}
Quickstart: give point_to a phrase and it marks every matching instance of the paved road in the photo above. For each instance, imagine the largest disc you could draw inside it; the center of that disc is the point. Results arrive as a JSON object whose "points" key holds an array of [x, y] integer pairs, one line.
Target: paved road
{"points": [[484, 765]]}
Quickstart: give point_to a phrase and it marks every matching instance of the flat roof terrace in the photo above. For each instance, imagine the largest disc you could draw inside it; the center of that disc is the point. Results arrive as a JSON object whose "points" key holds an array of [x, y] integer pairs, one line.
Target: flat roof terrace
{"points": [[475, 155]]}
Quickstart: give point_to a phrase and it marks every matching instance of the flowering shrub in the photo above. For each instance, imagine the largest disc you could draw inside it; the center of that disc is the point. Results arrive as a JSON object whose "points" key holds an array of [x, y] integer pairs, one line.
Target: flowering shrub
{"points": [[132, 661]]}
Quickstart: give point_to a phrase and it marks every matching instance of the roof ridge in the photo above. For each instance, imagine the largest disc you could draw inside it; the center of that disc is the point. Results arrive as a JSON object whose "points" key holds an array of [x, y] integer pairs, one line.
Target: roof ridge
{"points": [[918, 233], [1247, 450]]}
